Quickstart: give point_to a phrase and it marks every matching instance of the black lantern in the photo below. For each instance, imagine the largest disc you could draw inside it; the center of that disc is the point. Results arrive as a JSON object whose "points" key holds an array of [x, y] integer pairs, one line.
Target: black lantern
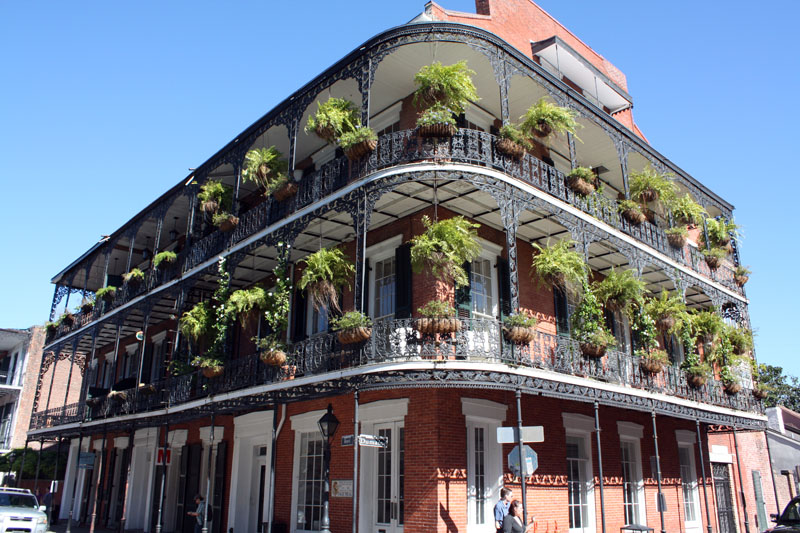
{"points": [[328, 425]]}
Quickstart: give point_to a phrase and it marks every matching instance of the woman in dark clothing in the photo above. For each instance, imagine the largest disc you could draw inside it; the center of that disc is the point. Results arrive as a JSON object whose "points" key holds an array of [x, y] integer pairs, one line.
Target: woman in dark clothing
{"points": [[513, 522]]}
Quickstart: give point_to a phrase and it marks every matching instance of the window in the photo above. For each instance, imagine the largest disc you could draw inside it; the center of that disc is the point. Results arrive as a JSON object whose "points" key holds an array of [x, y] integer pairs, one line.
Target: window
{"points": [[317, 319], [310, 482], [383, 305], [580, 486], [483, 302], [630, 436], [484, 460], [381, 290], [691, 497]]}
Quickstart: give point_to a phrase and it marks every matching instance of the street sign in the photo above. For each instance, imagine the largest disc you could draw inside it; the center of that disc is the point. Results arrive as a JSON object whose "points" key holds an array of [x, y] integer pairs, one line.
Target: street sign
{"points": [[529, 434], [531, 460], [372, 441], [86, 461]]}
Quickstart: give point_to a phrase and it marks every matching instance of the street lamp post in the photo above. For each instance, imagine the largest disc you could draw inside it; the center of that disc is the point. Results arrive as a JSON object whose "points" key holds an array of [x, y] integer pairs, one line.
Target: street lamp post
{"points": [[328, 425]]}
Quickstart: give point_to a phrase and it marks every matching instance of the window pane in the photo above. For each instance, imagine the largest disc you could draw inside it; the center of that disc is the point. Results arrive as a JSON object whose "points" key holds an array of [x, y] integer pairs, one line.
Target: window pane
{"points": [[310, 482], [481, 287], [384, 288]]}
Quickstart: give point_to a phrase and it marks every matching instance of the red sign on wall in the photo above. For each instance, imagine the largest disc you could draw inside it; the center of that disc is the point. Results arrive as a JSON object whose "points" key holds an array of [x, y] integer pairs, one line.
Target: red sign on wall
{"points": [[160, 457]]}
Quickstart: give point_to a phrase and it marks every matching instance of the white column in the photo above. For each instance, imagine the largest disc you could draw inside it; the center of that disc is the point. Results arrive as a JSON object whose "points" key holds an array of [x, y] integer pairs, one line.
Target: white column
{"points": [[69, 477], [177, 440]]}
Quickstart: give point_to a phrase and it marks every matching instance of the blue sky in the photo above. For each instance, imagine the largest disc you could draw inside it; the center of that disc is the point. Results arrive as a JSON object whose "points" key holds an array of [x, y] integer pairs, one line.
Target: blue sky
{"points": [[105, 105]]}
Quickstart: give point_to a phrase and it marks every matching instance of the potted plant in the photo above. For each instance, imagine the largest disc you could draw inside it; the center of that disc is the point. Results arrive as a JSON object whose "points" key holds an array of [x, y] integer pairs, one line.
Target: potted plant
{"points": [[437, 316], [216, 200], [543, 118], [731, 381], [558, 265], [581, 180], [352, 327], [178, 368], [741, 339], [118, 396], [697, 374], [436, 121], [761, 390], [326, 271], [588, 325], [358, 142], [654, 361], [619, 291], [266, 168], [669, 312], [741, 275], [194, 324], [210, 366], [271, 351], [720, 232], [245, 304], [166, 257], [67, 318], [708, 326], [332, 118], [444, 248], [685, 211], [632, 212], [87, 307], [51, 327], [650, 186], [447, 85], [677, 236], [512, 142], [106, 294], [519, 328], [134, 277], [225, 221], [714, 257]]}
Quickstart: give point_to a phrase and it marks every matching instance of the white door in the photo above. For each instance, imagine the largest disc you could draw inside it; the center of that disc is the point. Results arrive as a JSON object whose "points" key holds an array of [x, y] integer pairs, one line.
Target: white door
{"points": [[258, 483], [389, 477]]}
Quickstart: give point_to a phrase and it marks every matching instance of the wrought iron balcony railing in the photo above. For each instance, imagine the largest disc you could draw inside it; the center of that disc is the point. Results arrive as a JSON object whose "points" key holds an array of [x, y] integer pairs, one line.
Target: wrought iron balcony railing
{"points": [[399, 340], [402, 147]]}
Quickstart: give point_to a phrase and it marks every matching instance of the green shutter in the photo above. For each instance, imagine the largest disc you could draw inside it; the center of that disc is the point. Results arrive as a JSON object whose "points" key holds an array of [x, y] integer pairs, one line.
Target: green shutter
{"points": [[504, 283], [762, 511], [464, 296], [402, 281]]}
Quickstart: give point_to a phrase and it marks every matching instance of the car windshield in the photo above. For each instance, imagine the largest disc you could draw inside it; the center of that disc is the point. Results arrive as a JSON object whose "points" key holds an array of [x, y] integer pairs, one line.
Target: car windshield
{"points": [[18, 500], [791, 515]]}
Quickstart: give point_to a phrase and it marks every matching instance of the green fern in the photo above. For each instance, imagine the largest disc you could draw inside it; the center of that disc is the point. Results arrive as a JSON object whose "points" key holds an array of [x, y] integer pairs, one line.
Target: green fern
{"points": [[326, 271], [558, 265], [447, 85], [621, 291], [559, 119], [444, 248]]}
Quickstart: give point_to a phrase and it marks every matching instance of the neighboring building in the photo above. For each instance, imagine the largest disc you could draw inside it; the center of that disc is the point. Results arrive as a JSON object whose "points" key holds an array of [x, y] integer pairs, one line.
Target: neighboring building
{"points": [[15, 407], [250, 439], [783, 438]]}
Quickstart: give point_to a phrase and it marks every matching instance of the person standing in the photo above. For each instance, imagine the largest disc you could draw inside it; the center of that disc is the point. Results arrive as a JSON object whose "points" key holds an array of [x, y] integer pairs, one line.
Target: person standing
{"points": [[501, 508], [513, 522], [198, 513]]}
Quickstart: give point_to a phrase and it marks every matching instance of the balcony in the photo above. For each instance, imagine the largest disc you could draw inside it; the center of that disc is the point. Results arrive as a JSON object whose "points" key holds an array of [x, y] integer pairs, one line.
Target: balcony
{"points": [[469, 147], [398, 341]]}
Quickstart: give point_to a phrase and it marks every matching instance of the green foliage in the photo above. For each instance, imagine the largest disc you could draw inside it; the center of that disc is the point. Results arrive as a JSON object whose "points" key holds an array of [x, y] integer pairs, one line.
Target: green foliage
{"points": [[720, 231], [560, 119], [643, 326], [360, 134], [620, 290], [588, 321], [51, 327], [436, 309], [707, 325], [106, 292], [351, 319], [740, 338], [269, 343], [731, 372], [665, 306], [648, 182], [336, 114], [716, 253], [697, 368], [207, 361], [220, 317], [742, 271], [219, 218], [656, 355], [164, 257], [444, 248], [264, 167], [629, 205], [215, 197], [583, 173], [195, 323], [245, 303], [685, 210], [276, 312], [134, 276], [558, 265], [523, 319], [12, 462], [514, 133], [448, 85], [678, 230], [178, 368], [327, 270], [436, 114], [783, 389]]}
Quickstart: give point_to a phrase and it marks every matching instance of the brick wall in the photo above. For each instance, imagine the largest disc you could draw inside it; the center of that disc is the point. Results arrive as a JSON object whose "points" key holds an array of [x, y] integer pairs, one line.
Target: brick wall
{"points": [[33, 364]]}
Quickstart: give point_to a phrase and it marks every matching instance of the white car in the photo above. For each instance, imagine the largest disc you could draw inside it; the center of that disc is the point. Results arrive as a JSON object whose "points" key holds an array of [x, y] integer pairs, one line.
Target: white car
{"points": [[20, 512]]}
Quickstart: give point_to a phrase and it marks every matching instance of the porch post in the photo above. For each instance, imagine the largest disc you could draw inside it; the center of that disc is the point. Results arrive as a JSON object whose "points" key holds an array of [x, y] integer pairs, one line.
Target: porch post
{"points": [[99, 485], [658, 475], [74, 483], [600, 464], [703, 470], [741, 482]]}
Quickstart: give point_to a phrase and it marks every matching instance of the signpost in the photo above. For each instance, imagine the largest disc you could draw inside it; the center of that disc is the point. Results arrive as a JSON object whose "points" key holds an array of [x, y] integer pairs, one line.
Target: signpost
{"points": [[522, 461], [529, 434]]}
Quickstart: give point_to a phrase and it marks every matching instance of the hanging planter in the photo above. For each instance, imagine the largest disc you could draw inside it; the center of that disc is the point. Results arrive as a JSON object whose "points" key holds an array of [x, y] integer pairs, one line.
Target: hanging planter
{"points": [[580, 179], [714, 257], [543, 119], [273, 357], [732, 387], [650, 186], [213, 371], [68, 319], [519, 328], [677, 237], [352, 327], [87, 307], [106, 294], [358, 142], [557, 265], [225, 221], [332, 118], [632, 212], [619, 291], [653, 362], [512, 142], [133, 278], [760, 391], [437, 121], [594, 351], [285, 191], [741, 275], [440, 325], [326, 271]]}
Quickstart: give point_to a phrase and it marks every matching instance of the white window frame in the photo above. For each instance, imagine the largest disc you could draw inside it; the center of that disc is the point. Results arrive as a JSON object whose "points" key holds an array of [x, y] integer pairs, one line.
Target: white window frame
{"points": [[489, 251], [686, 440], [479, 117], [376, 253], [387, 117], [479, 413], [301, 423], [582, 427], [631, 433]]}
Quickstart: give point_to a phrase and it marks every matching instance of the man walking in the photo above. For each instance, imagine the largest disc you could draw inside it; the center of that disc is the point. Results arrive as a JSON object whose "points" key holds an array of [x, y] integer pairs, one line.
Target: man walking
{"points": [[198, 514], [501, 508]]}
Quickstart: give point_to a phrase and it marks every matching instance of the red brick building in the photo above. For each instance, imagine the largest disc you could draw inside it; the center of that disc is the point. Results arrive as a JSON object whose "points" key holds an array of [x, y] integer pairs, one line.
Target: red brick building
{"points": [[617, 439]]}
